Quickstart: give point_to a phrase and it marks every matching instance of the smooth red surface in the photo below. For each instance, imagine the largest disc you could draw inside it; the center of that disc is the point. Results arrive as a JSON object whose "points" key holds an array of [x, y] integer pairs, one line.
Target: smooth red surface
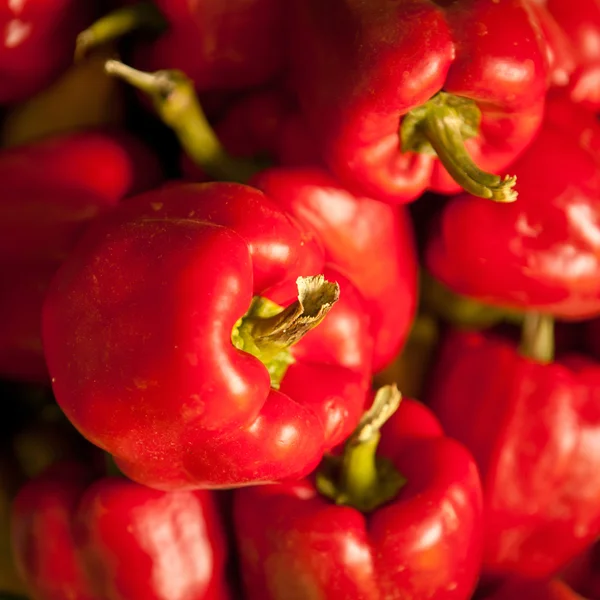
{"points": [[116, 540], [426, 543], [37, 43], [534, 431], [358, 67], [369, 241], [220, 45], [137, 333], [539, 253]]}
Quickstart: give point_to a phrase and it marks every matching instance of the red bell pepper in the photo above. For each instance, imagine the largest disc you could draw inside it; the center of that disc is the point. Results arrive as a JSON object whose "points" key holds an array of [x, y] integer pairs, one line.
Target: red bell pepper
{"points": [[405, 96], [157, 355], [367, 240], [219, 45], [540, 253], [533, 427], [111, 538], [421, 537], [38, 43], [370, 243], [51, 191], [583, 573]]}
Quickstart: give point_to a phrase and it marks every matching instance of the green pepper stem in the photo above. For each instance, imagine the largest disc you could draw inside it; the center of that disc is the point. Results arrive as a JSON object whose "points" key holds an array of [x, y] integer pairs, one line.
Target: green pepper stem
{"points": [[360, 478], [267, 330], [175, 101], [442, 128], [143, 16], [537, 337]]}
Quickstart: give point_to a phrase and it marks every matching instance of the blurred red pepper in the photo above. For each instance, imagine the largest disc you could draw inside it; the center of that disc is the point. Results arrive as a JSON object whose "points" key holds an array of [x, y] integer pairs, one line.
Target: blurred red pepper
{"points": [[581, 25], [51, 191], [157, 355], [533, 426], [421, 537], [38, 42], [111, 538], [540, 253], [219, 45], [388, 88], [370, 242]]}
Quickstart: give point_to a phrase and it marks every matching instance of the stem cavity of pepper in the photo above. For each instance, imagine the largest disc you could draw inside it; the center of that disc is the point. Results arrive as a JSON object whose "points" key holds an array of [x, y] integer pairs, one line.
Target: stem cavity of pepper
{"points": [[143, 16], [175, 100], [537, 337], [267, 330], [441, 127], [359, 478]]}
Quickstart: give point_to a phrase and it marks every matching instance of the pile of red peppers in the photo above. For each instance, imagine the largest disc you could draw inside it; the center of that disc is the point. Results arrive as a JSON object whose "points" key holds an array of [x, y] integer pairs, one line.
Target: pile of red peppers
{"points": [[300, 300]]}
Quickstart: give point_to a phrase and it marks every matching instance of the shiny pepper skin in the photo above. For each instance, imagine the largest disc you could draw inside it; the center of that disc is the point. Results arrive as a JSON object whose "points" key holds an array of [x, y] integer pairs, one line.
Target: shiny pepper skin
{"points": [[539, 253], [137, 332], [38, 41], [112, 539], [358, 68], [533, 429], [220, 45], [423, 544]]}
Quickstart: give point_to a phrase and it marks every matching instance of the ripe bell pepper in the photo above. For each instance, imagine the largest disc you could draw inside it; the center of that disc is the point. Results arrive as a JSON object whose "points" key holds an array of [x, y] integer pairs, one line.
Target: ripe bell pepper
{"points": [[370, 242], [38, 43], [51, 191], [405, 96], [420, 538], [541, 253], [159, 354], [112, 538], [533, 426]]}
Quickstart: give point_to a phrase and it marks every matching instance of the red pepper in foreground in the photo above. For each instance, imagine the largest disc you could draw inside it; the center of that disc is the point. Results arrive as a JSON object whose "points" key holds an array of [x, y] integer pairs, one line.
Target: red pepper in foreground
{"points": [[367, 240], [533, 428], [111, 538], [540, 253], [420, 538], [405, 96], [166, 341], [38, 40]]}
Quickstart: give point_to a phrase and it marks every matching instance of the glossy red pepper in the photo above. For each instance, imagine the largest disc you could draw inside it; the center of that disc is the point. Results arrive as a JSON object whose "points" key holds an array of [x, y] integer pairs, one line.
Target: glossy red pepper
{"points": [[111, 538], [38, 41], [464, 79], [367, 240], [51, 191], [540, 253], [533, 429], [425, 542], [150, 362]]}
